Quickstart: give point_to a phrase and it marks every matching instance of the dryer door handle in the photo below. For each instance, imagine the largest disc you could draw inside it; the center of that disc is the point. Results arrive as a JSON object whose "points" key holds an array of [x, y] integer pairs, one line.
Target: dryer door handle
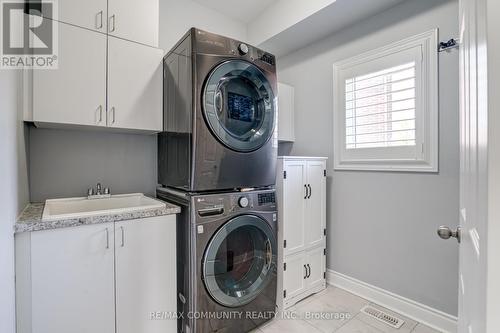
{"points": [[219, 102]]}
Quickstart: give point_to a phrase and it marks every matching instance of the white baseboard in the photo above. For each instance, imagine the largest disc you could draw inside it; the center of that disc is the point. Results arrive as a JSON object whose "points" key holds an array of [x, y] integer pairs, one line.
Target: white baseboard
{"points": [[422, 313]]}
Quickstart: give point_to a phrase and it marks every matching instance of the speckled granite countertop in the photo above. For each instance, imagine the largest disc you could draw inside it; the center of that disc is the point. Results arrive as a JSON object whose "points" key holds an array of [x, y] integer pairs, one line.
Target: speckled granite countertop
{"points": [[31, 218]]}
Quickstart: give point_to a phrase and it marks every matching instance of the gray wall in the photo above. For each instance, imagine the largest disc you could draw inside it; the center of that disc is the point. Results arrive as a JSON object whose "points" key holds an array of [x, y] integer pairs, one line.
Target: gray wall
{"points": [[65, 163], [382, 225]]}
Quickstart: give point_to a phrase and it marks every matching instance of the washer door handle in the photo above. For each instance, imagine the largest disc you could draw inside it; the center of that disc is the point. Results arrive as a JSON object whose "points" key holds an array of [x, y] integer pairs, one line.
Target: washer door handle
{"points": [[269, 254], [211, 211]]}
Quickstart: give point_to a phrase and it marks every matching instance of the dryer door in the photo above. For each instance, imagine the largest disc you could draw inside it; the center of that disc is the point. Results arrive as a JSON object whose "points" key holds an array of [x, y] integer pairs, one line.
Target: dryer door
{"points": [[240, 261], [239, 105]]}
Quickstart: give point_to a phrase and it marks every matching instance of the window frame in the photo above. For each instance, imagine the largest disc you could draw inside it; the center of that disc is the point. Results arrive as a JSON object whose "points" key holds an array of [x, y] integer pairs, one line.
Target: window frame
{"points": [[423, 157]]}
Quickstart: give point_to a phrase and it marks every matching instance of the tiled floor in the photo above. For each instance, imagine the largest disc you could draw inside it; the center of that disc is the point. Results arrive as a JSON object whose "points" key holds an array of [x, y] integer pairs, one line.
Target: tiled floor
{"points": [[341, 314]]}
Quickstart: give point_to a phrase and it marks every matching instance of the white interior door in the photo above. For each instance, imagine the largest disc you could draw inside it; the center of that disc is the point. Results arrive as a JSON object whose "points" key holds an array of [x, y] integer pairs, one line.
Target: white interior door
{"points": [[294, 206], [145, 274], [316, 200], [294, 278], [135, 93], [73, 280], [137, 21], [473, 168], [73, 94]]}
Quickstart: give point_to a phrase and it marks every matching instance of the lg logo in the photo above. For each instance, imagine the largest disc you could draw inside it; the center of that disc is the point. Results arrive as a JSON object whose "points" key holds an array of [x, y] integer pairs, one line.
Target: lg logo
{"points": [[29, 38]]}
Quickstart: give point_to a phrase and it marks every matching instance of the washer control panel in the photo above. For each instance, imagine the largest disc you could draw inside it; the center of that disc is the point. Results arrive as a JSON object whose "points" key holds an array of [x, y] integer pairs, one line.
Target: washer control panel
{"points": [[266, 198]]}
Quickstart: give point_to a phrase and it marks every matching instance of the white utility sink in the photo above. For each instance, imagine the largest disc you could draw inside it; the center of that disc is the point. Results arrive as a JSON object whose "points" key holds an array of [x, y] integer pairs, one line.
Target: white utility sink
{"points": [[56, 209]]}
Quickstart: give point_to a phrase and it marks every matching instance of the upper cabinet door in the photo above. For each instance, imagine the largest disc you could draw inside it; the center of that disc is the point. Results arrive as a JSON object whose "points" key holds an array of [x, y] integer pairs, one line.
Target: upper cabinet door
{"points": [[134, 86], [294, 219], [75, 93], [286, 125], [72, 280], [316, 203], [137, 21], [145, 274], [90, 14]]}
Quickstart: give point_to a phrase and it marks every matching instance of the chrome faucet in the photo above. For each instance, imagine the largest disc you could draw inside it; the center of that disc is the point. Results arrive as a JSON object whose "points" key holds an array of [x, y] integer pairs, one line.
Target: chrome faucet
{"points": [[98, 193]]}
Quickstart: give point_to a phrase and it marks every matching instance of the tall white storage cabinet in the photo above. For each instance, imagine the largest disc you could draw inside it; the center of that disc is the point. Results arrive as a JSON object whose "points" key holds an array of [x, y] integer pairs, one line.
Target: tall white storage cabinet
{"points": [[301, 189]]}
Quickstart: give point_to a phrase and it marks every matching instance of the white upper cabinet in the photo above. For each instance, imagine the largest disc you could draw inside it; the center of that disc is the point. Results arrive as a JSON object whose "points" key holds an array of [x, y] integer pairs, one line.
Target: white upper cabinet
{"points": [[137, 21], [75, 93], [90, 14], [316, 202], [102, 80], [134, 86], [286, 131], [294, 204]]}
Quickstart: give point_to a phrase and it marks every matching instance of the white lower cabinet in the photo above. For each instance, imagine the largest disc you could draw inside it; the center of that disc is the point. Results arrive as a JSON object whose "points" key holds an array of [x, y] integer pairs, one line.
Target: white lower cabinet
{"points": [[294, 275], [100, 278], [301, 191], [303, 275], [145, 275]]}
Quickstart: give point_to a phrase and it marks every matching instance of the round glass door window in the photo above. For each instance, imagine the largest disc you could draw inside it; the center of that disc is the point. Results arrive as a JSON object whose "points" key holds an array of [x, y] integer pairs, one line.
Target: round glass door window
{"points": [[239, 261], [239, 105]]}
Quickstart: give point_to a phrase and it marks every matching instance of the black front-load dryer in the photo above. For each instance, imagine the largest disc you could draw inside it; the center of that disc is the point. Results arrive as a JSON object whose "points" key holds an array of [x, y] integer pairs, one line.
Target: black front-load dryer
{"points": [[220, 114]]}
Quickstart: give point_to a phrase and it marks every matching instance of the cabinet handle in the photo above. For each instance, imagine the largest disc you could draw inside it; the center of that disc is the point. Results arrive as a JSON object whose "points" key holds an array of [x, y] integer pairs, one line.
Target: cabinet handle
{"points": [[305, 196], [107, 238], [112, 26], [99, 117], [113, 113], [98, 20], [308, 271], [123, 236], [310, 191], [305, 272]]}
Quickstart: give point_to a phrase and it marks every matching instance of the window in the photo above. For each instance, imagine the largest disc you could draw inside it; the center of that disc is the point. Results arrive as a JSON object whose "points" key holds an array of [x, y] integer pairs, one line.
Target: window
{"points": [[386, 108]]}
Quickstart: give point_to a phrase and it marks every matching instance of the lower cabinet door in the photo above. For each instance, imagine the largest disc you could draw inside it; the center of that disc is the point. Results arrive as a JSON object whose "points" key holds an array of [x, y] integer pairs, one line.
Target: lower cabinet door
{"points": [[294, 277], [146, 275], [72, 280], [315, 263]]}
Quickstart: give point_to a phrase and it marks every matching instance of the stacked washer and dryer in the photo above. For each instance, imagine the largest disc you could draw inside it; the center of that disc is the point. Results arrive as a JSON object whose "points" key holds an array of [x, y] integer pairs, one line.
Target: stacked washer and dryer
{"points": [[217, 160]]}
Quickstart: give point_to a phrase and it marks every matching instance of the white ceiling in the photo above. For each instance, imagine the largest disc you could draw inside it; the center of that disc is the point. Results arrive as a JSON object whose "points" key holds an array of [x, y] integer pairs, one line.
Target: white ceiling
{"points": [[242, 10]]}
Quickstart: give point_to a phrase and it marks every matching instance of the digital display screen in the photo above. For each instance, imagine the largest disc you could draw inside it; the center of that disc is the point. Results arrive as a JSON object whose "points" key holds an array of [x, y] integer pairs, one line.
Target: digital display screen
{"points": [[240, 107]]}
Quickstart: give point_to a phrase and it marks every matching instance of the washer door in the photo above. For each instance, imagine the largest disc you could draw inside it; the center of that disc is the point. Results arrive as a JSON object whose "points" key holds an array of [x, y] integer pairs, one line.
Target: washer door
{"points": [[239, 105], [239, 261]]}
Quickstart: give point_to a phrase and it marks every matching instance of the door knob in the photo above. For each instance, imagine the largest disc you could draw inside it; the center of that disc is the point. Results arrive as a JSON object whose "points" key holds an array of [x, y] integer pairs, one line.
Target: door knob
{"points": [[445, 233]]}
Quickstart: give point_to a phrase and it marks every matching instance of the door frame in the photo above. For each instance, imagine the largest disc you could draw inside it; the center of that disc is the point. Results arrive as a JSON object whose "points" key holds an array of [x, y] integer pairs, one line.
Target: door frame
{"points": [[483, 16]]}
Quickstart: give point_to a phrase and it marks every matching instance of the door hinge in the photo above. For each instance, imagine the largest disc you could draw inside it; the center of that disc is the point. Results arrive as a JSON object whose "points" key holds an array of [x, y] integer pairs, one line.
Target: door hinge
{"points": [[324, 172], [324, 275], [324, 252], [284, 293], [284, 174], [284, 244], [284, 266], [324, 232]]}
